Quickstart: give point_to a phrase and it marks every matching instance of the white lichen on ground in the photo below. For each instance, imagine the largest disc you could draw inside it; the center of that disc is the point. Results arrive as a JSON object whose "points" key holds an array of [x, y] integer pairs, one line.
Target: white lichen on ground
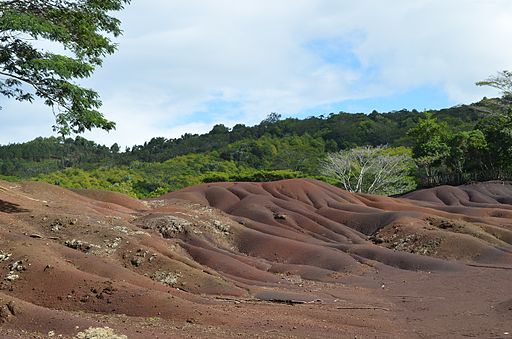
{"points": [[168, 278], [99, 333], [14, 270], [126, 230], [168, 226]]}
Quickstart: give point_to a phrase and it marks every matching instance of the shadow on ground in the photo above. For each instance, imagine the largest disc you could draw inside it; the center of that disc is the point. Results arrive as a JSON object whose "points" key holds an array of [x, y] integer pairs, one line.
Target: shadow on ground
{"points": [[8, 207]]}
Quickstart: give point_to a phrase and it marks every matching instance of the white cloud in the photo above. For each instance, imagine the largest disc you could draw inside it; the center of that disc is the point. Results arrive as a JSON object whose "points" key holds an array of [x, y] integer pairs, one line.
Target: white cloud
{"points": [[22, 122], [184, 66]]}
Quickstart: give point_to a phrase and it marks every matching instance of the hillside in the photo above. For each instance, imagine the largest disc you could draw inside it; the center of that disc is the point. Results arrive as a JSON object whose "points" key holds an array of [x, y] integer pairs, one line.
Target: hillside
{"points": [[472, 149], [257, 259]]}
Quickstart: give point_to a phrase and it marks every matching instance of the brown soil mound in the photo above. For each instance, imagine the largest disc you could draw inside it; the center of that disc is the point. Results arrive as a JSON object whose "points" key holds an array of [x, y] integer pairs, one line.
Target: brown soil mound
{"points": [[294, 258], [286, 221]]}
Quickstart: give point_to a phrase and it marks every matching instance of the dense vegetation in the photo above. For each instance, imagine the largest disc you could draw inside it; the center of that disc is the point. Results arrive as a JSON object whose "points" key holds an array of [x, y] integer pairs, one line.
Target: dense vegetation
{"points": [[84, 29], [452, 145]]}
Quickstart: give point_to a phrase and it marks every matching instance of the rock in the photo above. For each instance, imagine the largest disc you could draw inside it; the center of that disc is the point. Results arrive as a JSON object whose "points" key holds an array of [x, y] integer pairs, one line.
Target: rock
{"points": [[4, 314], [8, 311], [221, 227], [17, 266], [12, 276], [167, 278], [75, 244], [13, 308], [79, 245], [5, 256], [168, 226], [56, 225], [137, 261], [279, 216]]}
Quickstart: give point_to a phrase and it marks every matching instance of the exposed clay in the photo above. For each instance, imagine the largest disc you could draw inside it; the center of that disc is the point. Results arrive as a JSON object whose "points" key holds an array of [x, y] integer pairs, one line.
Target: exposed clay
{"points": [[294, 258]]}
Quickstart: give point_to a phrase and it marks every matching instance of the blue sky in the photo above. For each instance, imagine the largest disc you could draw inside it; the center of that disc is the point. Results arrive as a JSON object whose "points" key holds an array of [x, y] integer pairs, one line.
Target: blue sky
{"points": [[183, 66]]}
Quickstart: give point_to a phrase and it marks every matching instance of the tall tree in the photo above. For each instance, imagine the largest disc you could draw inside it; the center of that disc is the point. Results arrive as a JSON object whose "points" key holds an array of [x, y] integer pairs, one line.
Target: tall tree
{"points": [[502, 106], [83, 29], [430, 147], [501, 81]]}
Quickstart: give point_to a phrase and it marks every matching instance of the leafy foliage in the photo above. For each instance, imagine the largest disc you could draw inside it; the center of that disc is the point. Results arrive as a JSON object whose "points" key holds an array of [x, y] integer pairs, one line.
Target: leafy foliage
{"points": [[501, 81], [453, 145], [82, 28]]}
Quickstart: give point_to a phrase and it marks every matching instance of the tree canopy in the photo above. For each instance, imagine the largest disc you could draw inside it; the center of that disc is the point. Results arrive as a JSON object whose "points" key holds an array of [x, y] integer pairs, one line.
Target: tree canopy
{"points": [[501, 81], [83, 29], [449, 146]]}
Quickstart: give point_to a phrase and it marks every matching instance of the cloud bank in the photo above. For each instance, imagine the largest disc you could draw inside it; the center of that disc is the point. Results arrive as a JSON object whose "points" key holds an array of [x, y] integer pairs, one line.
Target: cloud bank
{"points": [[183, 66]]}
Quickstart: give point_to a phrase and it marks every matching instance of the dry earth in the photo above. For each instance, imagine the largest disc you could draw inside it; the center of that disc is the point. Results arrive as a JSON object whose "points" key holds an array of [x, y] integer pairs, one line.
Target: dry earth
{"points": [[294, 258]]}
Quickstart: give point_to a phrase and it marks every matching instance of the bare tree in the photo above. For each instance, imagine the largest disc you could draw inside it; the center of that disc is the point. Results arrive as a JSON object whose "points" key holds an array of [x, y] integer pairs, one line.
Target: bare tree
{"points": [[375, 170], [501, 81], [502, 106]]}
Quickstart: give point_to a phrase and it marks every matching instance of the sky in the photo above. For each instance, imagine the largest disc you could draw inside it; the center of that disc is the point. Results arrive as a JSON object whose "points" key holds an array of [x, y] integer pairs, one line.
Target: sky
{"points": [[184, 66]]}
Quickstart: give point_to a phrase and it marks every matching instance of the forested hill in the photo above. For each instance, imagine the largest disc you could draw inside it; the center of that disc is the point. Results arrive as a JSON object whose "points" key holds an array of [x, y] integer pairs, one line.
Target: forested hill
{"points": [[274, 148], [336, 131]]}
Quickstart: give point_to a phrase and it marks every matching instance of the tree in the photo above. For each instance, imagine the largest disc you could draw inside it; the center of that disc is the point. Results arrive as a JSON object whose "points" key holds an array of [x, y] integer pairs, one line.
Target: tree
{"points": [[375, 170], [467, 150], [219, 129], [83, 28], [430, 147], [502, 106], [501, 81], [498, 134], [114, 149], [272, 118]]}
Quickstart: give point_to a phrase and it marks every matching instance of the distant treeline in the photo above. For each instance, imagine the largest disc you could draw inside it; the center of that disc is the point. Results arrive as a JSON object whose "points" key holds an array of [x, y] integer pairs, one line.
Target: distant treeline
{"points": [[274, 149]]}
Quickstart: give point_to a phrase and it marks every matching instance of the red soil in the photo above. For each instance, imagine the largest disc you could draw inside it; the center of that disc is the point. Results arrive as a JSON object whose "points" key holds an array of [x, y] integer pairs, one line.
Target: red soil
{"points": [[294, 258]]}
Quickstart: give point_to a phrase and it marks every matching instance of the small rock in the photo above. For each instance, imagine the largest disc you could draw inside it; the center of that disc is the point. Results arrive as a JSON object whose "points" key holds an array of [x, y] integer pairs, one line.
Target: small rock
{"points": [[168, 226], [7, 311], [167, 278], [5, 256], [137, 261], [279, 216], [221, 227], [11, 276], [78, 245], [5, 314], [12, 308], [17, 266]]}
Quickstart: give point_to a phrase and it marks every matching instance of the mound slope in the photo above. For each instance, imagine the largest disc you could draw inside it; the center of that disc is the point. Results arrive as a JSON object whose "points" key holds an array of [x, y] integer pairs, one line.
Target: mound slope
{"points": [[471, 223], [222, 259]]}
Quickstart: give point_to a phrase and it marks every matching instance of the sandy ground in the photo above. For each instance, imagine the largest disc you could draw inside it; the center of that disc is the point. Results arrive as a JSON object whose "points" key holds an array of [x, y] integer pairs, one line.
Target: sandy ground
{"points": [[288, 259]]}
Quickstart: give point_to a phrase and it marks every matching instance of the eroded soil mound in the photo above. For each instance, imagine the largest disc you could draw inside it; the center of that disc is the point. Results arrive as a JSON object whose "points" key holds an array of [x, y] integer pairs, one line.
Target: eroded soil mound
{"points": [[471, 223], [293, 258]]}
